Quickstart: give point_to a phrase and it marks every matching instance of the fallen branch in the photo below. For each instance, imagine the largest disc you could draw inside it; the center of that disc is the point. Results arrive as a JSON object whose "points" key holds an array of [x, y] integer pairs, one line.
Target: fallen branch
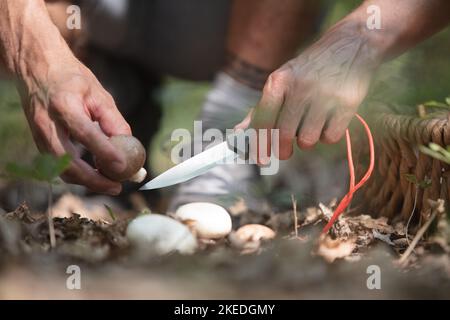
{"points": [[294, 209], [437, 208]]}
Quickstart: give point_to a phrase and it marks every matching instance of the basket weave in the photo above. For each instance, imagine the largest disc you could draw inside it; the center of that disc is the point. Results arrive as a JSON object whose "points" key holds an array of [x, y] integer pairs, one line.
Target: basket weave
{"points": [[389, 192]]}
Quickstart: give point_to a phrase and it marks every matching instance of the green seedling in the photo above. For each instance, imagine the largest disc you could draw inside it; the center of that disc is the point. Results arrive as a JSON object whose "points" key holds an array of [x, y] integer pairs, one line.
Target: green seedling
{"points": [[437, 104], [44, 168], [425, 183], [145, 212], [111, 212], [436, 151]]}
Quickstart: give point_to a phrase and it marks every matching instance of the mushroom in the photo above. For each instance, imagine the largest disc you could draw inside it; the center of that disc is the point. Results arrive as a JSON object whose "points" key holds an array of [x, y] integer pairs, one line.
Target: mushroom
{"points": [[135, 155], [161, 235], [208, 220], [254, 232], [139, 176], [248, 238]]}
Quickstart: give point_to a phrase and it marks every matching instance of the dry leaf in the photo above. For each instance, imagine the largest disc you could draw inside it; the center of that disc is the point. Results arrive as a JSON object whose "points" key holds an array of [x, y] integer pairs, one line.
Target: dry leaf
{"points": [[331, 249], [93, 209], [383, 237], [238, 208], [312, 216]]}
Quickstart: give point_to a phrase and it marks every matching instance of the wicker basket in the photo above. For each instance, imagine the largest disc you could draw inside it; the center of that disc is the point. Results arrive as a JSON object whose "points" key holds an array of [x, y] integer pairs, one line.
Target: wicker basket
{"points": [[390, 192]]}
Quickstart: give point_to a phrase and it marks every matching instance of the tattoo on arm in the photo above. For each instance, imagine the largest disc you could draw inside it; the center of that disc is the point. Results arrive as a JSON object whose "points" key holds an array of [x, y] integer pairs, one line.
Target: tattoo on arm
{"points": [[245, 72]]}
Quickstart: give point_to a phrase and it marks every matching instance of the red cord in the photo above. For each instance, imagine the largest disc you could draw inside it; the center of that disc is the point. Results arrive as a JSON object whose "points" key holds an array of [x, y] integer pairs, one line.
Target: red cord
{"points": [[352, 188]]}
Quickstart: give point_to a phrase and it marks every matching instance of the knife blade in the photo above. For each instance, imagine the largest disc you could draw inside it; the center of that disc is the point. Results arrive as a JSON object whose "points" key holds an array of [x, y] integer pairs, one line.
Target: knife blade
{"points": [[198, 164]]}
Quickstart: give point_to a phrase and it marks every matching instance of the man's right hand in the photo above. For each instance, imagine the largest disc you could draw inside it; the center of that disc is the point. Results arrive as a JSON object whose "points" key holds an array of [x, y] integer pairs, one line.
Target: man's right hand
{"points": [[63, 101]]}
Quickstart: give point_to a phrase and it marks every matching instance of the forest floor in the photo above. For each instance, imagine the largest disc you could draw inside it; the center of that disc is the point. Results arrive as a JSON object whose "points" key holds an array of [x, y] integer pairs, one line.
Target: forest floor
{"points": [[361, 258]]}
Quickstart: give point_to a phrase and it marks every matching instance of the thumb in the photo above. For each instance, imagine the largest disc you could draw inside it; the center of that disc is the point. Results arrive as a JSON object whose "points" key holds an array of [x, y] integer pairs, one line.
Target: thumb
{"points": [[111, 121]]}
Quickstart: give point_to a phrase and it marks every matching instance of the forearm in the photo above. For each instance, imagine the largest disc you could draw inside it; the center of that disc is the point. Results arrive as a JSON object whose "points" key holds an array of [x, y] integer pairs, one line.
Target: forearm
{"points": [[264, 34], [404, 24], [30, 44]]}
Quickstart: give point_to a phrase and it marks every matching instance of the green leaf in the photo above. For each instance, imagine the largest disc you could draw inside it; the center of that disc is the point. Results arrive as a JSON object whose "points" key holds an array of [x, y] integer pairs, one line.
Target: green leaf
{"points": [[447, 100], [111, 212], [18, 171], [45, 167], [434, 147], [441, 154], [437, 148], [411, 178], [144, 212], [422, 184], [425, 183], [436, 104]]}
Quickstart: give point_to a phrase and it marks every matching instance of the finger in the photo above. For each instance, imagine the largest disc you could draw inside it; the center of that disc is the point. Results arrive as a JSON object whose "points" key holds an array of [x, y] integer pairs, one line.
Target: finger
{"points": [[312, 124], [72, 115], [266, 114], [244, 124], [83, 174], [54, 140], [103, 109], [288, 122], [336, 125]]}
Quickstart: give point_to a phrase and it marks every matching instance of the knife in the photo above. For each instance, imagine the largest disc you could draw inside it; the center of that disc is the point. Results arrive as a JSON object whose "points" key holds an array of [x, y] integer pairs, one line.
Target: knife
{"points": [[236, 145]]}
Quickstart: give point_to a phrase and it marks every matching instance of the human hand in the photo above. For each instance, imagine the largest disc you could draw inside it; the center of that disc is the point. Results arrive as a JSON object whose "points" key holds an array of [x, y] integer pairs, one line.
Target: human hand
{"points": [[314, 96], [69, 105]]}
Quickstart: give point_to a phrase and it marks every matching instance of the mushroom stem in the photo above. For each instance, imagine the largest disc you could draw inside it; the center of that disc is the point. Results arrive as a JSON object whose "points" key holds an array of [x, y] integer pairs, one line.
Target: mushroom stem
{"points": [[139, 176]]}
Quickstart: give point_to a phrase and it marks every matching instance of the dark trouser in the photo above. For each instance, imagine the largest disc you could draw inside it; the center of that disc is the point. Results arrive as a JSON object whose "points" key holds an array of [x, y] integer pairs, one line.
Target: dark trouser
{"points": [[168, 37], [133, 43]]}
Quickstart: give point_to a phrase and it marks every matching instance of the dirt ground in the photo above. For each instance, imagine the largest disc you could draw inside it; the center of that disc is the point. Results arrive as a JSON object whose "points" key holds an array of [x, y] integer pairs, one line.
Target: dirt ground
{"points": [[296, 265]]}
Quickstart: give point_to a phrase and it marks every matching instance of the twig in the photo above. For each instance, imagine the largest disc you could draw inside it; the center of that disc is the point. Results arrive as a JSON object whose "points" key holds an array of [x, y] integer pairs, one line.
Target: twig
{"points": [[421, 111], [438, 209], [51, 227], [294, 208], [412, 214], [138, 202]]}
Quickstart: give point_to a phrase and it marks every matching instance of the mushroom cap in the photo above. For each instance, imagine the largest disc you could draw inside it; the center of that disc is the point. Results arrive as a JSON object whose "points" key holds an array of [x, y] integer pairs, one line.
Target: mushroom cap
{"points": [[209, 220], [134, 153], [254, 232], [161, 234]]}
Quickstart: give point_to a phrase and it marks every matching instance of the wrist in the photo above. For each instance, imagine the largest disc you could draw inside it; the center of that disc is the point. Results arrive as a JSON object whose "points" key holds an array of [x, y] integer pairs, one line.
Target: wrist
{"points": [[244, 72], [31, 44], [369, 46], [378, 41]]}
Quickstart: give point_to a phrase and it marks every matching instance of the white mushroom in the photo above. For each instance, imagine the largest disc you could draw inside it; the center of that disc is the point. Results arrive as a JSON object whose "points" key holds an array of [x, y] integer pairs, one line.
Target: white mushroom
{"points": [[254, 232], [208, 220], [134, 154], [248, 238], [161, 234]]}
